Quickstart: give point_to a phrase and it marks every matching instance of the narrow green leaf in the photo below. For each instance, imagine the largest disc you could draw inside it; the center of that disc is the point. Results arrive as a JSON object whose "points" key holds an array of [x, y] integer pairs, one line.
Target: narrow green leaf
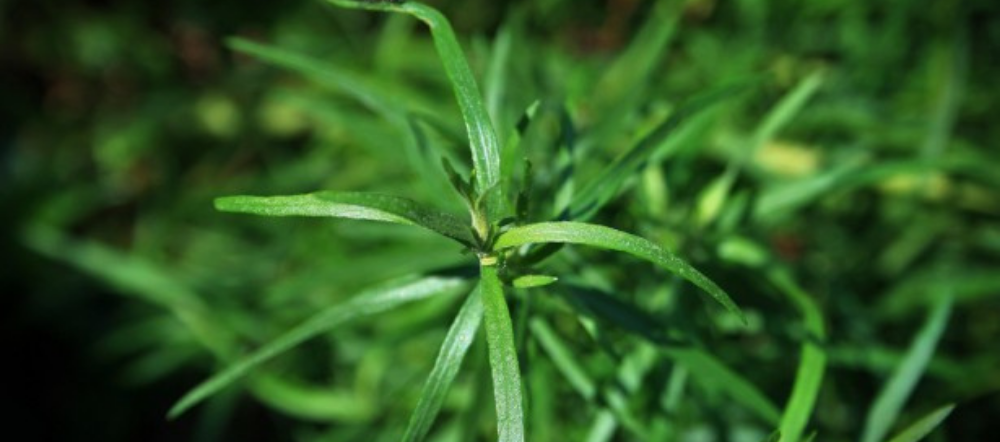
{"points": [[134, 276], [352, 205], [608, 238], [628, 76], [456, 343], [503, 357], [924, 426], [483, 140], [784, 111], [812, 362], [324, 74], [496, 75], [374, 301], [897, 390], [707, 369], [607, 185], [310, 402], [710, 371], [401, 109], [563, 358]]}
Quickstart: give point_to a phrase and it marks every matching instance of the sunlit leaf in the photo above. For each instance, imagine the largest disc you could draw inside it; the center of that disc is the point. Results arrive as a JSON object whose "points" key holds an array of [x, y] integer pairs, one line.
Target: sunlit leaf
{"points": [[608, 238], [503, 358], [456, 343], [484, 143], [351, 205]]}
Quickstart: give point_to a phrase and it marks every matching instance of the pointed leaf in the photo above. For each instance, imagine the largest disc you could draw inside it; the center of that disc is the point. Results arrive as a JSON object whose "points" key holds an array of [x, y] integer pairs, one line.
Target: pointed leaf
{"points": [[606, 186], [368, 303], [483, 140], [352, 205], [503, 357], [449, 360], [925, 425], [900, 385], [608, 238], [812, 362], [563, 358]]}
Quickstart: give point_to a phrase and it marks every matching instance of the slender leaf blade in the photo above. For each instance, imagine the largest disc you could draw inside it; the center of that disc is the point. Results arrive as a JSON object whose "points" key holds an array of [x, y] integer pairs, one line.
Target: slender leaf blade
{"points": [[924, 426], [456, 344], [897, 390], [709, 369], [503, 357], [608, 238], [351, 205], [812, 362], [483, 140], [562, 357], [609, 182], [373, 301]]}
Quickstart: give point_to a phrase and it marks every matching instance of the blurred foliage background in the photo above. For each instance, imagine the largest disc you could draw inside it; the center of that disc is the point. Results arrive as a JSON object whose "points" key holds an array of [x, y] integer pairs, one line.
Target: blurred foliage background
{"points": [[862, 159]]}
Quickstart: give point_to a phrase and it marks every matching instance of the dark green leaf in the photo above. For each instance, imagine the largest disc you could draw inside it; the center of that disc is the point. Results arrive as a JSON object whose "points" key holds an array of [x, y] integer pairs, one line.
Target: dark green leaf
{"points": [[368, 303], [890, 400], [925, 425]]}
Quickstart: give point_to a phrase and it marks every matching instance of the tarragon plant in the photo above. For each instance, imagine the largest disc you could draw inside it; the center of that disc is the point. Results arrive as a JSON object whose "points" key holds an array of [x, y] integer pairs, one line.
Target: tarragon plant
{"points": [[497, 232]]}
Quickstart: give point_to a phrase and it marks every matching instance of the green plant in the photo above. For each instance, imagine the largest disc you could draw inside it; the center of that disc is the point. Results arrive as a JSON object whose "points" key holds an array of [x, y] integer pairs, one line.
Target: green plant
{"points": [[506, 243], [845, 195]]}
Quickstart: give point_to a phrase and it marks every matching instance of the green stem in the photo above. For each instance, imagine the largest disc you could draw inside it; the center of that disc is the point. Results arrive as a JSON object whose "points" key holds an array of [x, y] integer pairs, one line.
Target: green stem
{"points": [[503, 357]]}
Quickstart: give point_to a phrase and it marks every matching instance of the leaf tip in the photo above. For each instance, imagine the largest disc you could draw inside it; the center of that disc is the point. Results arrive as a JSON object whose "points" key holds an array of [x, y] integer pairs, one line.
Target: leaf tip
{"points": [[225, 203], [177, 409]]}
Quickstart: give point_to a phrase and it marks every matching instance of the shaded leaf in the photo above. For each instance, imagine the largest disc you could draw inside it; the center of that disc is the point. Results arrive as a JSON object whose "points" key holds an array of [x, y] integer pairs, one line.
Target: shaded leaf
{"points": [[889, 402], [368, 303], [924, 426]]}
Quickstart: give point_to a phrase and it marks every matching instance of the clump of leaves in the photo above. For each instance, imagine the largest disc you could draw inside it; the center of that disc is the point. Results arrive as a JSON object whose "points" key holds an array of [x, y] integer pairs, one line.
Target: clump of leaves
{"points": [[508, 244]]}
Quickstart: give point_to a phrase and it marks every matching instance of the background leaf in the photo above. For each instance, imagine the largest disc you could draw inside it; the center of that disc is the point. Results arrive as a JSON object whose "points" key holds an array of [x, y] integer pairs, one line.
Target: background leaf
{"points": [[368, 303]]}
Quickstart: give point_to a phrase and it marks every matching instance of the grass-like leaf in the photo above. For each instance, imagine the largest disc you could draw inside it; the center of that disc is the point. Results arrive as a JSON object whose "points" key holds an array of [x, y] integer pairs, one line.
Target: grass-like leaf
{"points": [[134, 276], [368, 303], [352, 205], [503, 357], [710, 371], [606, 186], [449, 360], [562, 357], [483, 140], [812, 362], [608, 238], [890, 400], [924, 426], [310, 402], [394, 105]]}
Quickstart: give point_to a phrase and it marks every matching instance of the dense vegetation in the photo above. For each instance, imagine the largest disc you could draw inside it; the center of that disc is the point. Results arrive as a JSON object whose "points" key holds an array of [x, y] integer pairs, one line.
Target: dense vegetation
{"points": [[809, 190]]}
